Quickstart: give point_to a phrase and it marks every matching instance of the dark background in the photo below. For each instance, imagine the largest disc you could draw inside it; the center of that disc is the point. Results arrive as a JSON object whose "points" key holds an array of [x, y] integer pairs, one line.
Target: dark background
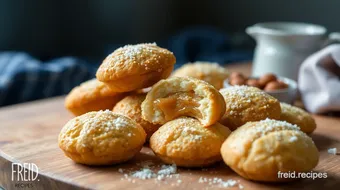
{"points": [[52, 28]]}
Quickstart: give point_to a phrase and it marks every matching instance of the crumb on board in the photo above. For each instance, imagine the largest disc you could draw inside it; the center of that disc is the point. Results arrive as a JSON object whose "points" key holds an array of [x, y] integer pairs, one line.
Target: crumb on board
{"points": [[220, 182], [332, 151]]}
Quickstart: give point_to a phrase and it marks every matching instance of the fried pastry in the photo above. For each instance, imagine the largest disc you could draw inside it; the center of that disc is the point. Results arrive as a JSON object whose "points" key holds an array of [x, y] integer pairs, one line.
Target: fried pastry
{"points": [[91, 95], [177, 96], [260, 150], [244, 103], [185, 142], [298, 116], [212, 73], [101, 138], [134, 67], [130, 106]]}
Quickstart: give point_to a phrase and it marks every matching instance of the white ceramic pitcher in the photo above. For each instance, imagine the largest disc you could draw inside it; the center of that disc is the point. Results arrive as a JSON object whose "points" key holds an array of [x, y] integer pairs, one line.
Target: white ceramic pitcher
{"points": [[283, 46]]}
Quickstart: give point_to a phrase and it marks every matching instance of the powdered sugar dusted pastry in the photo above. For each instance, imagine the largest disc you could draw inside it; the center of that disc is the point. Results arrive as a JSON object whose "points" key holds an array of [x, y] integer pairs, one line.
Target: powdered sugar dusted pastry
{"points": [[185, 142], [260, 150], [131, 106], [91, 95], [244, 103], [134, 67], [297, 116], [101, 138], [175, 97], [212, 73]]}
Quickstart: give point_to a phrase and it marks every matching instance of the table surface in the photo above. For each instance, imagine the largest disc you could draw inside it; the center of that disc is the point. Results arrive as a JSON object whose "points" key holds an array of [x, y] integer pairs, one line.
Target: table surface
{"points": [[29, 131]]}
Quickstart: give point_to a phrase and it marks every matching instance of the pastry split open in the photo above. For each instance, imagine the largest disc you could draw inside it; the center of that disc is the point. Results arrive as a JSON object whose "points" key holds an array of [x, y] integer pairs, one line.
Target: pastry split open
{"points": [[175, 97]]}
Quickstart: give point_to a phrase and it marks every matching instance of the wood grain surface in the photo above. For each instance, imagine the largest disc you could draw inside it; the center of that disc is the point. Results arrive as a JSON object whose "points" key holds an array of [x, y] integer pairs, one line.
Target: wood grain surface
{"points": [[28, 134]]}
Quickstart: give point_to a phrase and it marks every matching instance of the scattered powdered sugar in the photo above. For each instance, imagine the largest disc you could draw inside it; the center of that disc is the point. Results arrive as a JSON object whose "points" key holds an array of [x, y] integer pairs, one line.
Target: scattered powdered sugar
{"points": [[219, 182], [145, 173], [196, 137], [268, 125], [132, 52], [293, 139], [106, 111], [332, 151], [243, 91], [120, 122], [277, 123], [239, 97], [188, 131], [167, 174], [167, 170]]}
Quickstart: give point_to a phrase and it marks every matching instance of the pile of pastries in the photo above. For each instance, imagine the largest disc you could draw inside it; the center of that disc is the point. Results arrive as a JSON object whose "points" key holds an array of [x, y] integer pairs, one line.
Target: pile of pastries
{"points": [[186, 116]]}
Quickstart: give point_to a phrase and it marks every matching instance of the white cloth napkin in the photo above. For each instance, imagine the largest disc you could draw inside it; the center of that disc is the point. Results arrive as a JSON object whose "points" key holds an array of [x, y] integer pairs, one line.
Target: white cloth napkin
{"points": [[319, 80]]}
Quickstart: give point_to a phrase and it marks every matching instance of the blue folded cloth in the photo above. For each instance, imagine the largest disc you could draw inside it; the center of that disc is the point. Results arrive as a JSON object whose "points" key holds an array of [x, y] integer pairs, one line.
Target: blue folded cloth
{"points": [[24, 78]]}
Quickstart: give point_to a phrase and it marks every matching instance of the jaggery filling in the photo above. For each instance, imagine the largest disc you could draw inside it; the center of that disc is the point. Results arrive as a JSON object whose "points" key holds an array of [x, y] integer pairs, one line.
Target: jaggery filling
{"points": [[179, 104]]}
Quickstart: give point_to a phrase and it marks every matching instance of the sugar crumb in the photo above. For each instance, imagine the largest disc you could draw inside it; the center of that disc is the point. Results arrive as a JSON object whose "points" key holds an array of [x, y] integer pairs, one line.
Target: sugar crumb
{"points": [[166, 169], [293, 139], [332, 151], [145, 173]]}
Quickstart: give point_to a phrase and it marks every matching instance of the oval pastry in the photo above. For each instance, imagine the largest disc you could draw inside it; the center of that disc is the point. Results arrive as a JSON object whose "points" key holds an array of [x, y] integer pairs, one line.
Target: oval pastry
{"points": [[130, 106], [101, 138], [91, 95], [177, 96], [185, 142], [298, 116], [260, 150], [212, 73], [245, 103], [134, 67]]}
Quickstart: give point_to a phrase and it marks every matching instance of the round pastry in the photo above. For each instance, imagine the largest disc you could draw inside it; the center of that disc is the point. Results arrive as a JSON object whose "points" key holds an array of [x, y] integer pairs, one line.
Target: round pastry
{"points": [[261, 150], [131, 106], [177, 96], [185, 142], [134, 67], [245, 103], [101, 138], [212, 73], [91, 95], [298, 116]]}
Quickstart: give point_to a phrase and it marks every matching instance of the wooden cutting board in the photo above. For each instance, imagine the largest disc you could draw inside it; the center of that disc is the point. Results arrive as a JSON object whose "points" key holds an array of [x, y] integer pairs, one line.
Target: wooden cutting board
{"points": [[28, 134]]}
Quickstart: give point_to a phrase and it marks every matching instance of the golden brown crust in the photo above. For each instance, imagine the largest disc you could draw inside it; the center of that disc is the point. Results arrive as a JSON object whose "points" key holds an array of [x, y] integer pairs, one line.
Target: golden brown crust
{"points": [[244, 104], [91, 95], [185, 142], [212, 73], [205, 99], [130, 106], [134, 67], [259, 150], [299, 117], [101, 138]]}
